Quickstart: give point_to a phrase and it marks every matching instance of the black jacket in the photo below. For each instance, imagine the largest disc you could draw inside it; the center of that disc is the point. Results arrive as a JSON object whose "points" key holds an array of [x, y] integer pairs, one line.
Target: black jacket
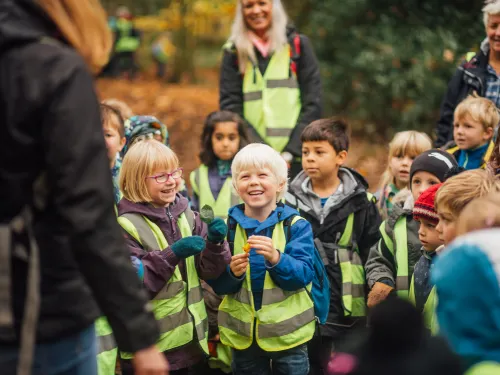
{"points": [[308, 76], [50, 122], [469, 77], [330, 227]]}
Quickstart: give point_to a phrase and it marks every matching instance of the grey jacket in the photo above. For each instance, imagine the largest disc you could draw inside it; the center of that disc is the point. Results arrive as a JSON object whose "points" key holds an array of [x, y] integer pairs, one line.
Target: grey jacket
{"points": [[381, 264]]}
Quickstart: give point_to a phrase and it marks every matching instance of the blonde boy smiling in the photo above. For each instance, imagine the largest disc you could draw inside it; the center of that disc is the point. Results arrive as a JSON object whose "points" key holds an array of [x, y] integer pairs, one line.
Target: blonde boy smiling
{"points": [[261, 322]]}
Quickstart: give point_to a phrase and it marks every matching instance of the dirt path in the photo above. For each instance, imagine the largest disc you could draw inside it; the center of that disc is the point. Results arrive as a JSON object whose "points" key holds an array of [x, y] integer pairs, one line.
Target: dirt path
{"points": [[183, 109]]}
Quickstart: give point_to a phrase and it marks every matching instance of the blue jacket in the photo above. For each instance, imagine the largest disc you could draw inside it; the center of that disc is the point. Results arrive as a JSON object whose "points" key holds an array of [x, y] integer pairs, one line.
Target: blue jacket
{"points": [[467, 278], [293, 271]]}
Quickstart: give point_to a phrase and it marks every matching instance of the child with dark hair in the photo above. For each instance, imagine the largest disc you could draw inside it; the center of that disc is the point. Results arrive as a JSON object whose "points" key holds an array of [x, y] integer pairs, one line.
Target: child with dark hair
{"points": [[224, 134], [345, 222]]}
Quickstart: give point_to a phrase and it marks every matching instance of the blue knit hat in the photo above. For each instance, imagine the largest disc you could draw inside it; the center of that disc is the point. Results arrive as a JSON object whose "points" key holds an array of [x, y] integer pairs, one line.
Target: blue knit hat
{"points": [[146, 127]]}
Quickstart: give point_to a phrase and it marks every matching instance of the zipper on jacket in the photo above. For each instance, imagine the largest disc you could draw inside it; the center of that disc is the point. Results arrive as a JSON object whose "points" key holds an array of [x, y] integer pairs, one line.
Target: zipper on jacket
{"points": [[172, 223]]}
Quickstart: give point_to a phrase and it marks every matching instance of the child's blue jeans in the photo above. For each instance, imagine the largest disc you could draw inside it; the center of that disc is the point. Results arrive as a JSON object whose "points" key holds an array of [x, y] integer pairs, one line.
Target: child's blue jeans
{"points": [[72, 355], [255, 361]]}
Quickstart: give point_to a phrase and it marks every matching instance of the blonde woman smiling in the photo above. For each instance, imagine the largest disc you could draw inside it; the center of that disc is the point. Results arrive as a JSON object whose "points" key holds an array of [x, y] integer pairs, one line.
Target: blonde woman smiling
{"points": [[270, 76]]}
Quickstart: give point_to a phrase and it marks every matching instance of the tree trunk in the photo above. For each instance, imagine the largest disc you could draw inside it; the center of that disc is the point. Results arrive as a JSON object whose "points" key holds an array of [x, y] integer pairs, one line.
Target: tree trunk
{"points": [[185, 47]]}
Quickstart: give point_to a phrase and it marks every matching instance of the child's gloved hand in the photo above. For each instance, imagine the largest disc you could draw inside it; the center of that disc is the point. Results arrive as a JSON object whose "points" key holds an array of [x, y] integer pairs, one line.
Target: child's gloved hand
{"points": [[188, 246], [379, 292], [139, 267], [217, 230]]}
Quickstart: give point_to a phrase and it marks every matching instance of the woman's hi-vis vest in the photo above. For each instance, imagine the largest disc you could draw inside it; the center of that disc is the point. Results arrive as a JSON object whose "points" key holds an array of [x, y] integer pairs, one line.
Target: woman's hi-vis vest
{"points": [[179, 307], [226, 199], [430, 318], [271, 103], [107, 350], [286, 318], [400, 254]]}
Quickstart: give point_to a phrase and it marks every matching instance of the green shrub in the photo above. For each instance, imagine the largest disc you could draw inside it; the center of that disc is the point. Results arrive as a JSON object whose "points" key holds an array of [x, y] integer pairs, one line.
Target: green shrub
{"points": [[386, 64]]}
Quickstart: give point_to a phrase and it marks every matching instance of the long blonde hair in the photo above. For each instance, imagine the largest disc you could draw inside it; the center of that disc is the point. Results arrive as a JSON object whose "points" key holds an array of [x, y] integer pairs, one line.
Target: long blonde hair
{"points": [[480, 213], [407, 143], [83, 24], [241, 40]]}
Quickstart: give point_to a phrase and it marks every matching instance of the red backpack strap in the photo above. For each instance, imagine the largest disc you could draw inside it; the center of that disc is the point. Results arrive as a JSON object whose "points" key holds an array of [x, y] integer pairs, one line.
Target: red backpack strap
{"points": [[294, 53]]}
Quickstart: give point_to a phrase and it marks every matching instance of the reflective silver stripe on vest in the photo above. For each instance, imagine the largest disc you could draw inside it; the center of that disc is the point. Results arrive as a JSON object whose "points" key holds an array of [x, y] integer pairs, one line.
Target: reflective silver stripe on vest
{"points": [[146, 234], [195, 295], [235, 199], [287, 326], [234, 324], [278, 132], [243, 296], [171, 322], [289, 83], [106, 343], [170, 290], [252, 96], [276, 295], [201, 328], [402, 283], [356, 290]]}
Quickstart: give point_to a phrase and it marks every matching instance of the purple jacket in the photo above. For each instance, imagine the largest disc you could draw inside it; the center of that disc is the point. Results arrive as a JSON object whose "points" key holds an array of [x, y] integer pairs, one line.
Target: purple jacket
{"points": [[159, 266]]}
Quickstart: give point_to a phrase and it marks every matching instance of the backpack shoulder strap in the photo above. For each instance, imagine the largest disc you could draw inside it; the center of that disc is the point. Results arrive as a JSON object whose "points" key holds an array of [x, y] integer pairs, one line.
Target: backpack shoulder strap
{"points": [[288, 222], [137, 226], [231, 233], [295, 52]]}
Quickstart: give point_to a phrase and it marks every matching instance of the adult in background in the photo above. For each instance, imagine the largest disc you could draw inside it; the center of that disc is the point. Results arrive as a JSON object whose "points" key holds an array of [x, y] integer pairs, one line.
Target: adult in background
{"points": [[480, 74], [57, 192], [270, 77]]}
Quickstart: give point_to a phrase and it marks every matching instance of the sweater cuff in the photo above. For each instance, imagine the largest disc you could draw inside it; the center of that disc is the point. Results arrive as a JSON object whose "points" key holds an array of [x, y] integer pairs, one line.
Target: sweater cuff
{"points": [[170, 256], [387, 282], [232, 275]]}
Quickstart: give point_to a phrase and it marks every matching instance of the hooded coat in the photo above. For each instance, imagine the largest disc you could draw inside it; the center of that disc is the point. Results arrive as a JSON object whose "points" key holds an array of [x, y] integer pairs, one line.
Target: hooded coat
{"points": [[50, 123], [329, 223], [467, 279], [159, 266]]}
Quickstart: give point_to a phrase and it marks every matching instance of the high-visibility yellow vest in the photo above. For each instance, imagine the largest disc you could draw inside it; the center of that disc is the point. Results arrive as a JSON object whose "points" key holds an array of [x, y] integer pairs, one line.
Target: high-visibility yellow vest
{"points": [[430, 318], [107, 349], [226, 199], [400, 254], [223, 360], [484, 368], [286, 318], [271, 103], [353, 273], [179, 307], [126, 42]]}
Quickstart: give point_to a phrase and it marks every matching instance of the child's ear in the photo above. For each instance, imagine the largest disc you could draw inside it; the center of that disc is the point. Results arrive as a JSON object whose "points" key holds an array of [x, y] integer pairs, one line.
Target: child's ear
{"points": [[123, 140], [488, 134], [341, 157]]}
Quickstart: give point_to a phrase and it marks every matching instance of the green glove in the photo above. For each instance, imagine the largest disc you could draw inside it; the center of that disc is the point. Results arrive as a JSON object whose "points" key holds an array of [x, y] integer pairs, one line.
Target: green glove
{"points": [[217, 230], [188, 246]]}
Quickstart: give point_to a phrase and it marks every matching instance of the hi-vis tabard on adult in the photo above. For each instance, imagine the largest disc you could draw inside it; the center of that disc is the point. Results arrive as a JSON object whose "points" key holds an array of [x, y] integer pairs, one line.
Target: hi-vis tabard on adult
{"points": [[179, 307], [286, 318], [271, 102], [227, 196]]}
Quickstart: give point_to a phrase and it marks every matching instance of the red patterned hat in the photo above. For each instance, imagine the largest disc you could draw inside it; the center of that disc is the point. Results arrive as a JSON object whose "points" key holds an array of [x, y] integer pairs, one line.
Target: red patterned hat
{"points": [[424, 206]]}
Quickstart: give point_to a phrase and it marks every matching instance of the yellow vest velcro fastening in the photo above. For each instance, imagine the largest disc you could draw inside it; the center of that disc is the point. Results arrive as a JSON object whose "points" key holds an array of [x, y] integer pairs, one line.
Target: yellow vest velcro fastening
{"points": [[179, 307], [271, 102], [285, 320], [226, 199]]}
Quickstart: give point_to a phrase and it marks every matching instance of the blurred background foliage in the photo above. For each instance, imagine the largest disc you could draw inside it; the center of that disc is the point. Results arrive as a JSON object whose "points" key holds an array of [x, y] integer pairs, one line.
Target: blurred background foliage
{"points": [[385, 64]]}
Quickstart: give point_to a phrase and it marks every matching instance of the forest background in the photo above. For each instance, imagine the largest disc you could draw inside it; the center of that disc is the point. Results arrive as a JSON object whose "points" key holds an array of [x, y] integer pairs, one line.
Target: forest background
{"points": [[385, 64]]}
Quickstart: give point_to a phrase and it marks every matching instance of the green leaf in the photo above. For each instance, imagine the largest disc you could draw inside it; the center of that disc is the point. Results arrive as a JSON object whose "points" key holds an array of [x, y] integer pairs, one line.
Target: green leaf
{"points": [[207, 214]]}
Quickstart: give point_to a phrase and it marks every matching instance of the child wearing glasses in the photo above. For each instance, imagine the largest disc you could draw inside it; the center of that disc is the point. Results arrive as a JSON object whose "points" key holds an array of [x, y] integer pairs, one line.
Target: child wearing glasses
{"points": [[176, 250]]}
